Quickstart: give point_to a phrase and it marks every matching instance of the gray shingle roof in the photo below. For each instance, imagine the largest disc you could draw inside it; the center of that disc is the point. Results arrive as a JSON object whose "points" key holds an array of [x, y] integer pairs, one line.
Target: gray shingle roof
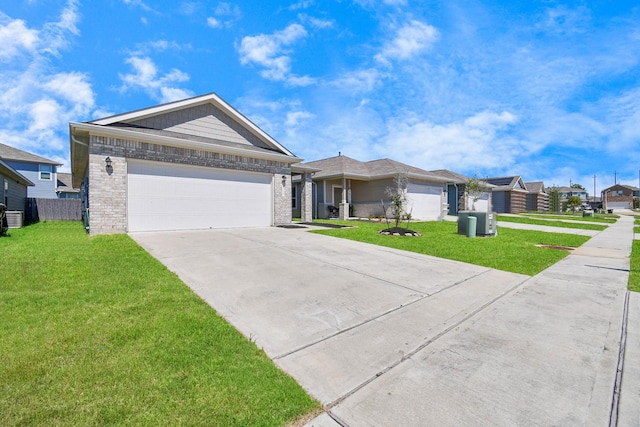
{"points": [[535, 186], [10, 172], [64, 183], [10, 153], [344, 166]]}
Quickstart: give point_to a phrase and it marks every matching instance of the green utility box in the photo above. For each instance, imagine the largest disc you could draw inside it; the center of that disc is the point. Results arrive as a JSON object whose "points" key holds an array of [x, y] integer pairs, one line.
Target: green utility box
{"points": [[485, 223]]}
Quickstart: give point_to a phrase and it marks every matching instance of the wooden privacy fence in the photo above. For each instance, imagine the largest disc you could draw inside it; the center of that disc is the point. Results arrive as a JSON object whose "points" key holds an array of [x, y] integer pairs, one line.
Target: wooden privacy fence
{"points": [[53, 210]]}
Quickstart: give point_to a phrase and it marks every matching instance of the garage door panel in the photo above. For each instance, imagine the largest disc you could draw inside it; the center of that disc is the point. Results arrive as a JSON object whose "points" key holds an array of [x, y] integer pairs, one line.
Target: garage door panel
{"points": [[425, 201], [180, 197]]}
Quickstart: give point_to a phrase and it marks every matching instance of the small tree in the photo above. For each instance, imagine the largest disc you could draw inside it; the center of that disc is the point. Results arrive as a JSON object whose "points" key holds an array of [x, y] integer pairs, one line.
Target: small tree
{"points": [[554, 199], [573, 202], [476, 187], [398, 197]]}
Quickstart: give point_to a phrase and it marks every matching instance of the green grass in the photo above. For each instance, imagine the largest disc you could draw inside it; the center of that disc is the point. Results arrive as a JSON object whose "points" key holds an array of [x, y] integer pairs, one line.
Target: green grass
{"points": [[94, 331], [528, 220], [576, 216], [634, 272], [512, 250]]}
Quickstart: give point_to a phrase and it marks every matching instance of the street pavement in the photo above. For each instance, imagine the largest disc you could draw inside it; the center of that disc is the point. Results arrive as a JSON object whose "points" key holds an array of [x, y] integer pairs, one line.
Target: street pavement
{"points": [[390, 338]]}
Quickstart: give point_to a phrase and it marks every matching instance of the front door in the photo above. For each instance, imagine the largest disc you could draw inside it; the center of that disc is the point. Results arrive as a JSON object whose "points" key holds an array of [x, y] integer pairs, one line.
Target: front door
{"points": [[452, 199]]}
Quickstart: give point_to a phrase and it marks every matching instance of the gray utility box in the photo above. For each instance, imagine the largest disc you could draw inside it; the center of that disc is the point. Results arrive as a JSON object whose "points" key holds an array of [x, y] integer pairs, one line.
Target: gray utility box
{"points": [[485, 226]]}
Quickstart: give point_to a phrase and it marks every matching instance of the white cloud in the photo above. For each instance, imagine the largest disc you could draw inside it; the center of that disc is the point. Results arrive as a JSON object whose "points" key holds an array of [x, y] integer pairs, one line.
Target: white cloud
{"points": [[226, 14], [37, 101], [479, 141], [270, 52], [160, 87], [295, 118], [410, 40], [138, 3], [315, 22], [359, 81], [159, 46], [15, 37], [302, 4], [213, 22]]}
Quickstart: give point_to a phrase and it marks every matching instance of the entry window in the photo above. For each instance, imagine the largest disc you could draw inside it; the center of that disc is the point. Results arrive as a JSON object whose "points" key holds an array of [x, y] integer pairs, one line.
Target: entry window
{"points": [[294, 197], [46, 172]]}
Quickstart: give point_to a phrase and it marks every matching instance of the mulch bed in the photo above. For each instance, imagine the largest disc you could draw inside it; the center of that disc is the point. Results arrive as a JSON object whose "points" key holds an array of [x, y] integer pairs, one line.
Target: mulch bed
{"points": [[399, 231]]}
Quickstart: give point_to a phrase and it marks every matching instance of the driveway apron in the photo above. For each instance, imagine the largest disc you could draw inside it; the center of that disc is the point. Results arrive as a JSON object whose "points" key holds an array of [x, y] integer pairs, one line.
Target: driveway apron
{"points": [[387, 337]]}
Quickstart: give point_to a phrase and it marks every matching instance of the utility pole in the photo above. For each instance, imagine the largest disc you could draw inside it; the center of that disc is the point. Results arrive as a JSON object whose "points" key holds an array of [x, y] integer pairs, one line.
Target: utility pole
{"points": [[615, 177], [594, 190]]}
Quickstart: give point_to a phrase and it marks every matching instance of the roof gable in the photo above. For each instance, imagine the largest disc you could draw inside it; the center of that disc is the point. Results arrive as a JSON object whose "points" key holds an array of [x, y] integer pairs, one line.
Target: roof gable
{"points": [[508, 183], [206, 116], [535, 186]]}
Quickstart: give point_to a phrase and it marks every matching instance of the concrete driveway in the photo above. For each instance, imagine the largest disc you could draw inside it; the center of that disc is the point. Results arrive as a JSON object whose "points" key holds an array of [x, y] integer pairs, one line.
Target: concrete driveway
{"points": [[385, 337]]}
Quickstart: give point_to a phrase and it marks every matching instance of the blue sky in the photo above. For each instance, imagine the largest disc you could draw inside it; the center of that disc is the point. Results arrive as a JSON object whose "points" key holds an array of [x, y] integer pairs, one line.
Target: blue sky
{"points": [[544, 89]]}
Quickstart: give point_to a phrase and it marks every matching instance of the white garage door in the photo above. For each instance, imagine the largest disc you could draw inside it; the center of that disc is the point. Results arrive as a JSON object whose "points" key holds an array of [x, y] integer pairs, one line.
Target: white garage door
{"points": [[425, 201], [618, 205], [165, 196]]}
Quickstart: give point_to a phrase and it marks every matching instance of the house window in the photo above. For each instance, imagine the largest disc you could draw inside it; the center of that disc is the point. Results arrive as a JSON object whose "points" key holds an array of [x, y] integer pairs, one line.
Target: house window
{"points": [[294, 197], [45, 172]]}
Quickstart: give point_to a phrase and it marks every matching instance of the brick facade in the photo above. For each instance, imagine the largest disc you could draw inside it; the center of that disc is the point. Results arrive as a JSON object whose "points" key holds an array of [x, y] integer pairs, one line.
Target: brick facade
{"points": [[108, 192]]}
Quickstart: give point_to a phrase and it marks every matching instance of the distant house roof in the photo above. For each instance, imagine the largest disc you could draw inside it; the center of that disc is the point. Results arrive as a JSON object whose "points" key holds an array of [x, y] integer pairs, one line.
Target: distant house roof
{"points": [[571, 189], [10, 153], [10, 172], [507, 183], [64, 184], [535, 186], [346, 167], [628, 187]]}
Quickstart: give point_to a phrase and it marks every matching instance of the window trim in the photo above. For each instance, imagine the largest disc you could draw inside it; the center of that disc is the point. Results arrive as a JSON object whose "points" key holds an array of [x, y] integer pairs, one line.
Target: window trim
{"points": [[41, 171]]}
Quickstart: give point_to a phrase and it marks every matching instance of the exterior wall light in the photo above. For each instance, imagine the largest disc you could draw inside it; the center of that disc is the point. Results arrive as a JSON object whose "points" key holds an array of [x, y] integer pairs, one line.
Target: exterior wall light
{"points": [[109, 168]]}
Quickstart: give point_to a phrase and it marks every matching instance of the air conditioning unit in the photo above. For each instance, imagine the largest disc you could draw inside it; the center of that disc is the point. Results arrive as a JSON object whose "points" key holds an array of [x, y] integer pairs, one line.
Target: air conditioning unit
{"points": [[15, 219], [485, 226]]}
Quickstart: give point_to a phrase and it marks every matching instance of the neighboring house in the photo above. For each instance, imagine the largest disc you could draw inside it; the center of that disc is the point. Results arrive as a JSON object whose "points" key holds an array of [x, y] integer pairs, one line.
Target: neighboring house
{"points": [[190, 164], [13, 188], [566, 192], [358, 188], [64, 187], [509, 194], [40, 171], [620, 196], [537, 198]]}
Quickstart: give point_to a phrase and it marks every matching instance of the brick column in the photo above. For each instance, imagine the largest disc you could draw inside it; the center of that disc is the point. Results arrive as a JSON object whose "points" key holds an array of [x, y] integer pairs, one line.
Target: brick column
{"points": [[282, 198], [107, 195], [306, 198]]}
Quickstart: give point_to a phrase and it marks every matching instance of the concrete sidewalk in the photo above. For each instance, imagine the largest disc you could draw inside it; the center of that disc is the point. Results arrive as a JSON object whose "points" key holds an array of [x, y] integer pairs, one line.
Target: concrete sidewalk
{"points": [[547, 354]]}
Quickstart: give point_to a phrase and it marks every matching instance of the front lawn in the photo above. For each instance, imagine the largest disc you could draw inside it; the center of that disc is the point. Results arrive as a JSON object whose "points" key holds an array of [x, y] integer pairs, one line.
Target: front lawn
{"points": [[94, 331], [535, 221], [575, 216], [512, 250], [634, 272]]}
